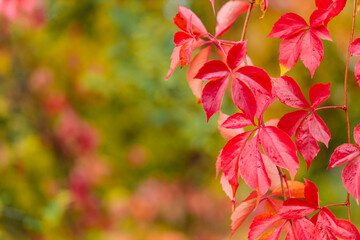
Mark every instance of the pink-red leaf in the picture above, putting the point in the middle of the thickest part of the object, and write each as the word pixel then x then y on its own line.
pixel 357 135
pixel 279 147
pixel 238 120
pixel 175 61
pixel 186 51
pixel 312 52
pixel 194 67
pixel 243 97
pixel 305 142
pixel 236 55
pixel 212 4
pixel 213 69
pixel 296 208
pixel 322 32
pixel 252 168
pixel 323 3
pixel 304 229
pixel 241 213
pixel 343 154
pixel 318 129
pixel 230 154
pixel 287 25
pixel 289 92
pixel 319 93
pixel 261 223
pixel 290 50
pixel 311 193
pixel 256 78
pixel 346 230
pixel 212 95
pixel 291 121
pixel 357 73
pixel 181 37
pixel 227 15
pixel 355 47
pixel 226 186
pixel 351 178
pixel 184 16
pixel 225 132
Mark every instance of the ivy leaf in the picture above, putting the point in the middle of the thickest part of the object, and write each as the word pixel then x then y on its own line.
pixel 343 154
pixel 227 15
pixel 289 92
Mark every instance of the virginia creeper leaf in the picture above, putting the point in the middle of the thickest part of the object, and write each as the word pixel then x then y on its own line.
pixel 318 129
pixel 227 15
pixel 181 37
pixel 212 70
pixel 296 190
pixel 312 52
pixel 355 47
pixel 357 135
pixel 319 93
pixel 304 229
pixel 346 230
pixel 227 187
pixel 321 32
pixel 212 95
pixel 184 16
pixel 230 154
pixel 198 61
pixel 294 208
pixel 238 120
pixel 226 132
pixel 256 78
pixel 242 211
pixel 287 25
pixel 305 142
pixel 311 193
pixel 291 121
pixel 343 154
pixel 351 178
pixel 357 73
pixel 175 61
pixel 279 147
pixel 261 223
pixel 236 55
pixel 243 97
pixel 252 168
pixel 289 92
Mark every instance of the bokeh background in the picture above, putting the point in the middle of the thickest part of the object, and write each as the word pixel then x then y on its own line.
pixel 95 144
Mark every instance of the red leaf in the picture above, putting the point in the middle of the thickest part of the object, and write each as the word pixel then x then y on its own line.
pixel 357 73
pixel 319 93
pixel 290 50
pixel 242 211
pixel 305 142
pixel 227 133
pixel 228 189
pixel 343 154
pixel 252 168
pixel 212 95
pixel 227 15
pixel 318 129
pixel 355 47
pixel 213 69
pixel 175 61
pixel 197 62
pixel 236 55
pixel 357 135
pixel 212 4
pixel 238 120
pixel 312 52
pixel 184 16
pixel 332 8
pixel 291 121
pixel 346 230
pixel 287 25
pixel 322 32
pixel 323 3
pixel 261 223
pixel 279 147
pixel 351 178
pixel 318 17
pixel 311 193
pixel 256 78
pixel 289 92
pixel 243 97
pixel 181 37
pixel 296 208
pixel 304 228
pixel 229 156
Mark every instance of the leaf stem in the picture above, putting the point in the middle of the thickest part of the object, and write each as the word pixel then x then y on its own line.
pixel 247 20
pixel 345 92
pixel 282 175
pixel 330 107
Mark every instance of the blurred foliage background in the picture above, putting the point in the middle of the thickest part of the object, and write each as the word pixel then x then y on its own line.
pixel 96 145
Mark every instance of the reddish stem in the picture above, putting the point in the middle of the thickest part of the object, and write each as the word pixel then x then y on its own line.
pixel 247 20
pixel 330 107
pixel 345 92
pixel 282 175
